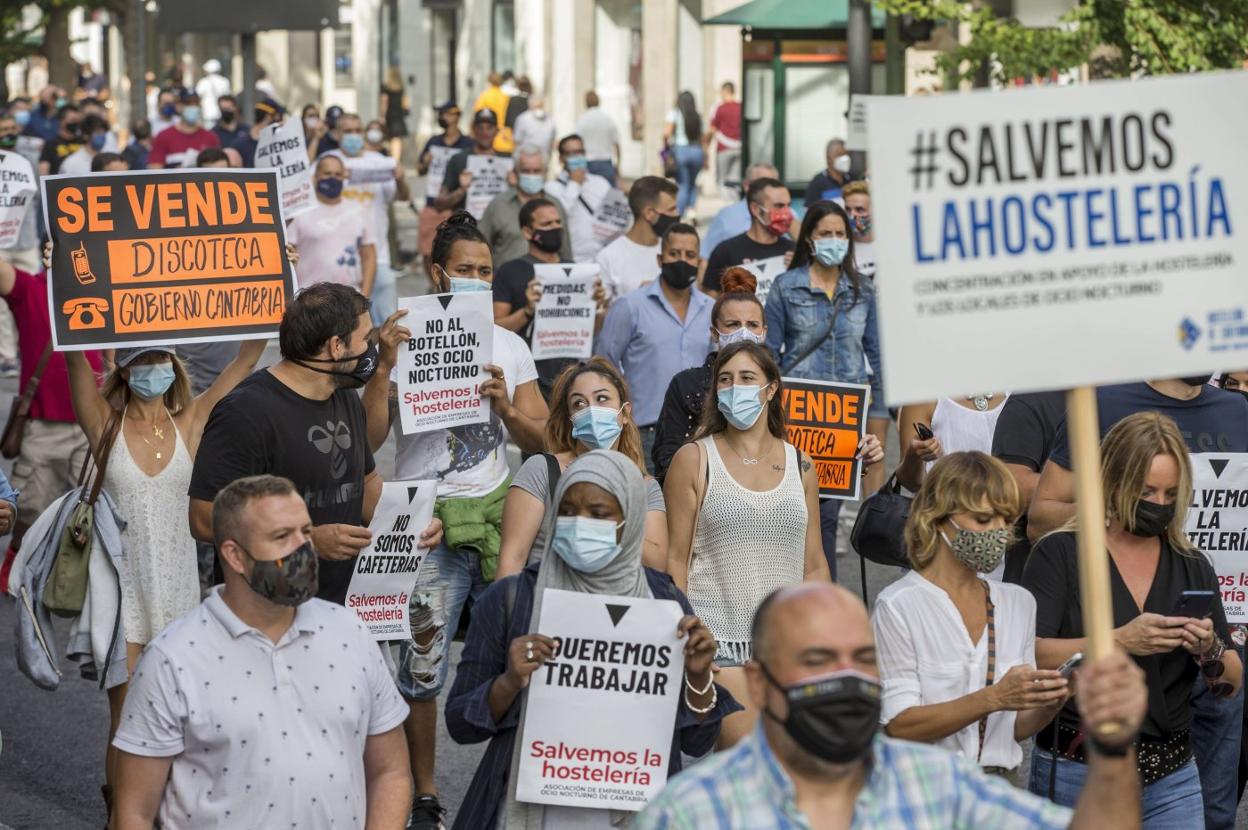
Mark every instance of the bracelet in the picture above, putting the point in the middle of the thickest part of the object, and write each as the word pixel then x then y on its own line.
pixel 709 706
pixel 710 681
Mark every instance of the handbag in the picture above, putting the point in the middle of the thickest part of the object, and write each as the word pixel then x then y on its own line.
pixel 19 412
pixel 668 157
pixel 66 589
pixel 879 530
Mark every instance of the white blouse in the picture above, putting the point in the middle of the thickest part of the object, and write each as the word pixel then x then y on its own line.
pixel 926 657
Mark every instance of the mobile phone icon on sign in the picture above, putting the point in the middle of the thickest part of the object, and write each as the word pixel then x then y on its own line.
pixel 82 265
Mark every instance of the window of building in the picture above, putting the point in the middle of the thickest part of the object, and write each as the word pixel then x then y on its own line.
pixel 344 63
pixel 504 35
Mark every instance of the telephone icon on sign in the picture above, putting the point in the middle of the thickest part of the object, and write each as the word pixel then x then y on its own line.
pixel 82 265
pixel 85 313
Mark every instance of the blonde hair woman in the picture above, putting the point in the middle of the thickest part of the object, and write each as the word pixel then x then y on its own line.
pixel 956 650
pixel 1147 479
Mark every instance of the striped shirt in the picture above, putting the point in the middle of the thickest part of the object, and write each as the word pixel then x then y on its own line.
pixel 910 787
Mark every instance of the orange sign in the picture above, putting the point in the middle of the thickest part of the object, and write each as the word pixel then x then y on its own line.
pixel 827 421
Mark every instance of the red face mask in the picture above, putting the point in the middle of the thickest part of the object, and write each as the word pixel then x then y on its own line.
pixel 779 219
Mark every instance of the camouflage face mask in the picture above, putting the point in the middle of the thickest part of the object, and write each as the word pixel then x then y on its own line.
pixel 979 550
pixel 291 580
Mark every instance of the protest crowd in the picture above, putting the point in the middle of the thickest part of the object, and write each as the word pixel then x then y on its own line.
pixel 597 404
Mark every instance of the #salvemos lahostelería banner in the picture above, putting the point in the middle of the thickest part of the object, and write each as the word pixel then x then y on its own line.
pixel 165 256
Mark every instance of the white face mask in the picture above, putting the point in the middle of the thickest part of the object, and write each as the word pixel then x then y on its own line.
pixel 842 163
pixel 375 136
pixel 738 336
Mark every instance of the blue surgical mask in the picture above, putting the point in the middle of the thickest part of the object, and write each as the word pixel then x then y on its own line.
pixel 530 183
pixel 741 405
pixel 586 545
pixel 741 335
pixel 151 380
pixel 329 187
pixel 597 427
pixel 574 163
pixel 98 141
pixel 190 115
pixel 168 111
pixel 352 144
pixel 831 251
pixel 22 117
pixel 463 285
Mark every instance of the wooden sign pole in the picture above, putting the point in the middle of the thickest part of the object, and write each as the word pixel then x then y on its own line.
pixel 1084 431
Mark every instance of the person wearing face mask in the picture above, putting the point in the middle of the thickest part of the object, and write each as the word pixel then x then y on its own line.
pixel 500 223
pixel 628 262
pixel 582 193
pixel 593 545
pixel 1234 382
pixel 66 141
pixel 140 146
pixel 266 113
pixel 180 145
pixel 1147 481
pixel 742 503
pixel 771 218
pixel 857 198
pixel 163 110
pixel 734 219
pixel 262 630
pixel 737 316
pixel 818 759
pixel 94 131
pixel 828 183
pixel 591 411
pixel 432 164
pixel 660 329
pixel 821 322
pixel 335 238
pixel 516 288
pixel 24 252
pixel 942 684
pixel 457 178
pixel 470 466
pixel 535 126
pixel 44 115
pixel 229 128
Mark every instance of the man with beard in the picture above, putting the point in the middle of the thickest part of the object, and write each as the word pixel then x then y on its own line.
pixel 302 419
pixel 817 758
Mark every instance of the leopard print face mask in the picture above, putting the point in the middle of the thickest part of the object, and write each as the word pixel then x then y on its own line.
pixel 979 550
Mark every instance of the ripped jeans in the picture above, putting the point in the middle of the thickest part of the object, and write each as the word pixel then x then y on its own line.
pixel 446 579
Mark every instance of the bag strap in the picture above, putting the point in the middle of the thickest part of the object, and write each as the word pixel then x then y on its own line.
pixel 553 472
pixel 818 341
pixel 32 384
pixel 992 662
pixel 107 438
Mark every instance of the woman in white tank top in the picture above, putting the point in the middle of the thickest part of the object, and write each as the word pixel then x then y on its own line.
pixel 743 509
pixel 962 424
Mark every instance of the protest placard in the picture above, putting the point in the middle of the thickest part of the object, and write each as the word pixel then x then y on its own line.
pixel 441 367
pixel 368 169
pixel 17 191
pixel 1217 523
pixel 827 421
pixel 1094 219
pixel 766 271
pixel 611 213
pixel 856 131
pixel 385 571
pixel 563 323
pixel 165 256
pixel 489 178
pixel 613 654
pixel 283 146
pixel 438 158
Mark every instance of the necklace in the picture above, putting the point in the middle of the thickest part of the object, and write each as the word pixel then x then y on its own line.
pixel 980 401
pixel 159 432
pixel 744 460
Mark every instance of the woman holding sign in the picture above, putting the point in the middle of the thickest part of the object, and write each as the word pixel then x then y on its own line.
pixel 594 547
pixel 1167 610
pixel 591 410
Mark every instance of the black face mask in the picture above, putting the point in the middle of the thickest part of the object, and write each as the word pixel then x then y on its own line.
pixel 834 717
pixel 365 367
pixel 660 225
pixel 678 274
pixel 1151 519
pixel 228 116
pixel 549 240
pixel 1196 380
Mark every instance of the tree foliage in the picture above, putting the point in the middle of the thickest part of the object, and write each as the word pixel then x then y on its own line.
pixel 1127 37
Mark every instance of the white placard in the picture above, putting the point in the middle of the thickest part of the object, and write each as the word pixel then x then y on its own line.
pixel 618 655
pixel 443 364
pixel 438 159
pixel 283 146
pixel 30 147
pixel 368 169
pixel 385 571
pixel 766 270
pixel 611 214
pixel 17 191
pixel 1054 237
pixel 1217 523
pixel 856 132
pixel 563 324
pixel 489 178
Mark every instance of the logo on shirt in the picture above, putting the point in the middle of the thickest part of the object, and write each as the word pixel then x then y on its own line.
pixel 333 440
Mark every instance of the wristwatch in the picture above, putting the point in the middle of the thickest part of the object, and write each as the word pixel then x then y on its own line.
pixel 1215 652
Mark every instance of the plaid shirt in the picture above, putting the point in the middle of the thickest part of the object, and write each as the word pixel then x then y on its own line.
pixel 910 787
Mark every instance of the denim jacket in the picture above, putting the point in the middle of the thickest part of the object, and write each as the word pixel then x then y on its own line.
pixel 797 315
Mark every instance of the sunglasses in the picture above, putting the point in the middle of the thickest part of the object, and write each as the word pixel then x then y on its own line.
pixel 1211 671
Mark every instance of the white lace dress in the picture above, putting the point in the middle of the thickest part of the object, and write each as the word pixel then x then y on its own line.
pixel 160 578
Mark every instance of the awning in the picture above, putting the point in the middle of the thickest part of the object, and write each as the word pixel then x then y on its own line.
pixel 792 15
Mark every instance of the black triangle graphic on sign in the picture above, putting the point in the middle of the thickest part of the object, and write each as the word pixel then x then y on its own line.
pixel 1218 465
pixel 567 270
pixel 617 613
pixel 445 300
pixel 411 494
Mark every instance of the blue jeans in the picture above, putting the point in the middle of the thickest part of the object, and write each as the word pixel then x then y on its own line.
pixel 689 160
pixel 1168 804
pixel 829 515
pixel 1217 729
pixel 604 168
pixel 647 447
pixel 446 579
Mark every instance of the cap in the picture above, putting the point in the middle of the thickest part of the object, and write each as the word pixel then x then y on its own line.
pixel 485 117
pixel 446 105
pixel 212 66
pixel 124 357
pixel 268 105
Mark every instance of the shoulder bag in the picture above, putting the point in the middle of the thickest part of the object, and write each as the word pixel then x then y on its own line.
pixel 879 530
pixel 19 413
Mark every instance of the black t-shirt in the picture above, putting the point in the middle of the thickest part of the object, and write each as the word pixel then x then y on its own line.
pixel 511 281
pixel 57 150
pixel 739 250
pixel 1024 436
pixel 1052 576
pixel 264 426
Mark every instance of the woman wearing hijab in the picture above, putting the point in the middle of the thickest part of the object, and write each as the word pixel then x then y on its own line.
pixel 601 490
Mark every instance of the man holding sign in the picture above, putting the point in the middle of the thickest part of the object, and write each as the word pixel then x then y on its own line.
pixel 438 152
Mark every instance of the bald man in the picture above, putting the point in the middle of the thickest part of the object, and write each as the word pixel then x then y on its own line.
pixel 817 758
